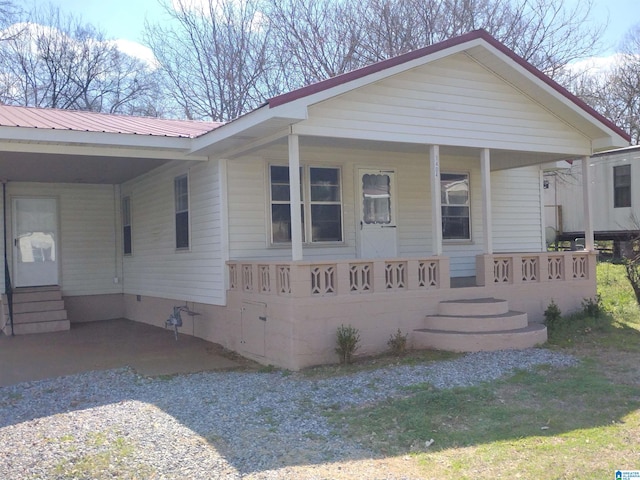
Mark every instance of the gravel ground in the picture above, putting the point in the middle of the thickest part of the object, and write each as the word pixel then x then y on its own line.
pixel 231 425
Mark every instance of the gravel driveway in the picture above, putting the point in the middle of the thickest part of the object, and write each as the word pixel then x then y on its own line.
pixel 230 425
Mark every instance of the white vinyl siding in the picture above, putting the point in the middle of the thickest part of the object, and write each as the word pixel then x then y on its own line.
pixel 452 101
pixel 516 205
pixel 157 268
pixel 90 235
pixel 606 218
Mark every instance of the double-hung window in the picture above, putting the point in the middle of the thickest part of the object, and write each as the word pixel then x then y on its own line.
pixel 321 204
pixel 454 192
pixel 622 186
pixel 181 196
pixel 126 226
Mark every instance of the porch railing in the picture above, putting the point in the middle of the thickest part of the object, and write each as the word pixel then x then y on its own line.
pixel 341 277
pixel 514 268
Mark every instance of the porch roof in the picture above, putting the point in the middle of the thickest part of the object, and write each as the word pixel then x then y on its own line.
pixel 279 115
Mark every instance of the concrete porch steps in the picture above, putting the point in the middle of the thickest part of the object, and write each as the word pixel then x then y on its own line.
pixel 36 310
pixel 473 325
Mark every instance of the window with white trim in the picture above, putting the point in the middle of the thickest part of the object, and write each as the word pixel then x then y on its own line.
pixel 622 186
pixel 454 193
pixel 127 245
pixel 321 203
pixel 181 195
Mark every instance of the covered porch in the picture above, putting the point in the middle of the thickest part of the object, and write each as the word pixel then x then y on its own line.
pixel 289 310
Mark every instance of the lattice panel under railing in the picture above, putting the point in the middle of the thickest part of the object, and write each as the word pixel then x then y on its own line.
pixel 530 270
pixel 580 269
pixel 360 277
pixel 556 268
pixel 284 279
pixel 233 277
pixel 323 279
pixel 427 274
pixel 264 279
pixel 395 275
pixel 502 270
pixel 247 278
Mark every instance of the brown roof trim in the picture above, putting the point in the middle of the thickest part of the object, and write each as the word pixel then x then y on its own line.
pixel 437 47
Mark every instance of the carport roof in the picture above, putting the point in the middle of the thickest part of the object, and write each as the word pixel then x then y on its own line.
pixel 85 121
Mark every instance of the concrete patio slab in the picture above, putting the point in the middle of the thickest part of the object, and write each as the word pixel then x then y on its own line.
pixel 149 350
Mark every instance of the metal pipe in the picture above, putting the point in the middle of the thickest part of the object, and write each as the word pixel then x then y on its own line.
pixel 7 275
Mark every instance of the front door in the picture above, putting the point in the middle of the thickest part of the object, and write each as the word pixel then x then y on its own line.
pixel 35 241
pixel 378 236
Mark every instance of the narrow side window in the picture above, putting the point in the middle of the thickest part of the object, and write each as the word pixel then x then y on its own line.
pixel 181 193
pixel 622 186
pixel 126 226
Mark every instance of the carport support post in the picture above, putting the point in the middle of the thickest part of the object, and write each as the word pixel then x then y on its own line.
pixel 589 243
pixel 294 197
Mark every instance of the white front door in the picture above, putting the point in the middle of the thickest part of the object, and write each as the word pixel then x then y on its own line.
pixel 35 241
pixel 378 236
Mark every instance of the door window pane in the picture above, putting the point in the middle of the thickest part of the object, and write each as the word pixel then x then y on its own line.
pixel 376 199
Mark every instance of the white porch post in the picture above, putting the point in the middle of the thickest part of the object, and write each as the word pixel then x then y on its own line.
pixel 436 201
pixel 485 173
pixel 294 197
pixel 589 243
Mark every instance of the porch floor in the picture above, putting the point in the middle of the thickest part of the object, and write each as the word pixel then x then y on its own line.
pixel 104 345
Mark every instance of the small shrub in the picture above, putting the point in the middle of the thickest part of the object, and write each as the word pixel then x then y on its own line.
pixel 552 316
pixel 347 338
pixel 592 307
pixel 398 343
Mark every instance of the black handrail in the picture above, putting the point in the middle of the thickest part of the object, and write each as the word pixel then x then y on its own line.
pixel 7 275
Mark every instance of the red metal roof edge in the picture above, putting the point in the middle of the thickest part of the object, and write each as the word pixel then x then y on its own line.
pixel 437 47
pixel 109 122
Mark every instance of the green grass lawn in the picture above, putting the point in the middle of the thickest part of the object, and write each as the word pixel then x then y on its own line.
pixel 581 422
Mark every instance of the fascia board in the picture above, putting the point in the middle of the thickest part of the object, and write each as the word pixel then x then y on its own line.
pixel 102 139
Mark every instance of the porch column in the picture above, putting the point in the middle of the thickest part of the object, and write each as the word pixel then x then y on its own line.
pixel 294 197
pixel 485 174
pixel 589 243
pixel 436 200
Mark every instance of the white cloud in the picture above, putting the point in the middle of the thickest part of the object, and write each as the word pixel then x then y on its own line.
pixel 137 50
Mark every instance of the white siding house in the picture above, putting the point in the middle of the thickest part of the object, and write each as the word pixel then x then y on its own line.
pixel 616 210
pixel 395 196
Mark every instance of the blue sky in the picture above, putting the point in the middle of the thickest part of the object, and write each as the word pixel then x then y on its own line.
pixel 124 19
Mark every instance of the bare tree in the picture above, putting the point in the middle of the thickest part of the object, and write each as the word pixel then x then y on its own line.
pixel 615 91
pixel 214 56
pixel 55 61
pixel 226 58
pixel 546 33
pixel 315 39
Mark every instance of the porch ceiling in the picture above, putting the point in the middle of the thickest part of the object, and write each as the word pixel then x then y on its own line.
pixel 59 168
